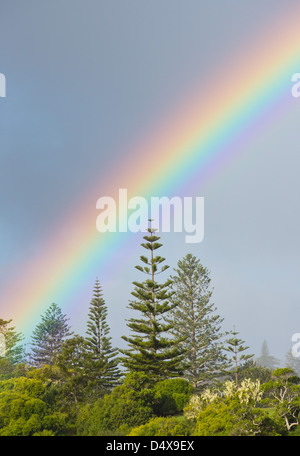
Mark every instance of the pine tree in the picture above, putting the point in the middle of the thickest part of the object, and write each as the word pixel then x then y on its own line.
pixel 10 343
pixel 265 359
pixel 152 349
pixel 194 319
pixel 103 366
pixel 48 336
pixel 235 347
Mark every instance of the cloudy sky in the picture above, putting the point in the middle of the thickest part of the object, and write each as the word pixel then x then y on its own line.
pixel 85 81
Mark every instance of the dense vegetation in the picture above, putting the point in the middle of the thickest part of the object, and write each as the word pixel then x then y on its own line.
pixel 180 375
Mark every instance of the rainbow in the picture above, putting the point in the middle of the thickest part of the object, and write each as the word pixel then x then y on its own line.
pixel 212 127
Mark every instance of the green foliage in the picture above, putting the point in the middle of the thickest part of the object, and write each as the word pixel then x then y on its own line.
pixel 151 350
pixel 69 375
pixel 74 385
pixel 231 418
pixel 194 321
pixel 11 348
pixel 233 410
pixel 71 380
pixel 23 412
pixel 295 432
pixel 170 426
pixel 284 394
pixel 48 336
pixel 254 372
pixel 235 347
pixel 133 403
pixel 9 370
pixel 63 391
pixel 23 385
pixel 193 408
pixel 101 356
pixel 127 406
pixel 171 396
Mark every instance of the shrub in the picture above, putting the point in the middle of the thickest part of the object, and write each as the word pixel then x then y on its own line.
pixel 22 414
pixel 160 426
pixel 171 396
pixel 128 405
pixel 230 417
pixel 193 408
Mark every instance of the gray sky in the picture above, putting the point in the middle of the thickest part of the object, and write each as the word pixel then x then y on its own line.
pixel 85 79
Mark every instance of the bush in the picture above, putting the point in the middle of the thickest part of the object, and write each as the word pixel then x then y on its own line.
pixel 128 405
pixel 9 370
pixel 23 412
pixel 159 426
pixel 228 417
pixel 171 396
pixel 193 408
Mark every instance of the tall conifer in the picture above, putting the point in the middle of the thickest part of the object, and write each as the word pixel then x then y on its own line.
pixel 265 359
pixel 48 336
pixel 194 318
pixel 235 347
pixel 103 365
pixel 152 349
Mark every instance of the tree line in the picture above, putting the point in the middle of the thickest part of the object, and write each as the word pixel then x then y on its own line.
pixel 176 352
